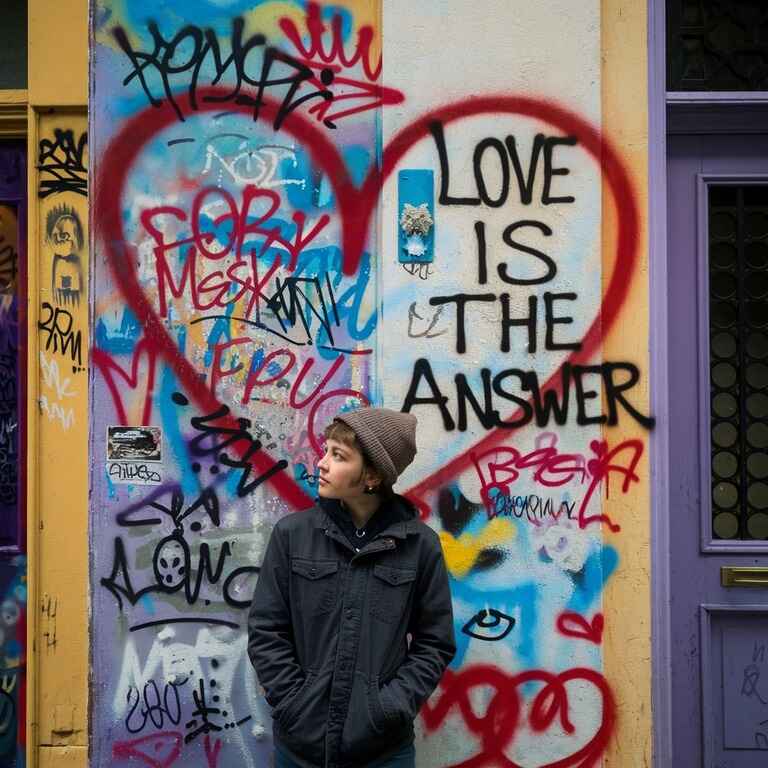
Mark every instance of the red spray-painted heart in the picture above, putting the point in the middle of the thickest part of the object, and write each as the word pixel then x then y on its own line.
pixel 549 707
pixel 356 206
pixel 573 624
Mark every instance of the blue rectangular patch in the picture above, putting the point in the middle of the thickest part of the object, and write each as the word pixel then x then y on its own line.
pixel 416 216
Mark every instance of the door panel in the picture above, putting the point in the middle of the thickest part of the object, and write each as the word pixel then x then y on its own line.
pixel 716 631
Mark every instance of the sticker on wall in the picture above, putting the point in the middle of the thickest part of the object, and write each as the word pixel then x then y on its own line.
pixel 140 444
pixel 416 220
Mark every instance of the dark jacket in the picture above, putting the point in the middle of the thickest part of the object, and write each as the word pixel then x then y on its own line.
pixel 328 635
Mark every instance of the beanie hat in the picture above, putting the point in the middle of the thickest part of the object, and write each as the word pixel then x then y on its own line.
pixel 388 438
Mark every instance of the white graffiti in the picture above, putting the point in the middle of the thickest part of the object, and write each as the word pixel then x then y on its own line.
pixel 54 412
pixel 53 380
pixel 250 166
pixel 218 653
pixel 8 427
pixel 61 388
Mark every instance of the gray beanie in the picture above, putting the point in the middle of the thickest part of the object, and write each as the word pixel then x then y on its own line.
pixel 388 438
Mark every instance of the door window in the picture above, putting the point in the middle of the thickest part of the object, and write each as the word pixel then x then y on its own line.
pixel 738 360
pixel 714 45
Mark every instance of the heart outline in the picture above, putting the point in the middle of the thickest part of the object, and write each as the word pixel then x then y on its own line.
pixel 355 206
pixel 572 624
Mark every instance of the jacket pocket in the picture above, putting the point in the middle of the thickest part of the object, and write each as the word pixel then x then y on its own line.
pixel 284 711
pixel 375 707
pixel 390 590
pixel 315 585
pixel 303 724
pixel 368 729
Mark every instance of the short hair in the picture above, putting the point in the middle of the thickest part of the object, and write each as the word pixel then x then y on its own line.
pixel 343 433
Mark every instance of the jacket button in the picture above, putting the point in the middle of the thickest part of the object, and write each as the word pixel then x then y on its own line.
pixel 313 571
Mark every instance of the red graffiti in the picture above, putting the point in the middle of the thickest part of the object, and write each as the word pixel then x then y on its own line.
pixel 315 52
pixel 243 222
pixel 306 385
pixel 160 750
pixel 600 469
pixel 499 468
pixel 212 752
pixel 363 94
pixel 146 350
pixel 356 206
pixel 575 625
pixel 498 726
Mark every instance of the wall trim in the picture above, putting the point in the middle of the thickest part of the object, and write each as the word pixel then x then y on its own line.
pixel 661 649
pixel 33 453
pixel 13 114
pixel 716 97
pixel 713 117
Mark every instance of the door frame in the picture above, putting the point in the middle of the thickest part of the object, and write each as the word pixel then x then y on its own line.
pixel 692 113
pixel 661 640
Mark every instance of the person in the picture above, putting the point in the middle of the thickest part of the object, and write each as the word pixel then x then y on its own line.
pixel 351 625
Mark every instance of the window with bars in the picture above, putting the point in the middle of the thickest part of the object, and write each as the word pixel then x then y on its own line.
pixel 717 45
pixel 738 335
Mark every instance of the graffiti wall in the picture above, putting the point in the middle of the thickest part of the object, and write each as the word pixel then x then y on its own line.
pixel 13 560
pixel 302 207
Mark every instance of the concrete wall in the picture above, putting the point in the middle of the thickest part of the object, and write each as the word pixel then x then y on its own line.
pixel 544 526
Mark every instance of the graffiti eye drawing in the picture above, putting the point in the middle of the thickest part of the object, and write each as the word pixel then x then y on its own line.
pixel 489 624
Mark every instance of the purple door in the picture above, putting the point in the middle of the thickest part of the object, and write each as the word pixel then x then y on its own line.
pixel 718 367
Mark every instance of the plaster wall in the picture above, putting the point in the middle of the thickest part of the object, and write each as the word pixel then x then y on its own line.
pixel 57 402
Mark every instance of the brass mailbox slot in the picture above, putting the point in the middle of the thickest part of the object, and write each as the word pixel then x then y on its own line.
pixel 734 576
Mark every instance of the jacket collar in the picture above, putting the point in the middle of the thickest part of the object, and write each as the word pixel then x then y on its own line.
pixel 406 526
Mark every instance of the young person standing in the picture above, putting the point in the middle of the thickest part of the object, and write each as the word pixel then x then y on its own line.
pixel 351 627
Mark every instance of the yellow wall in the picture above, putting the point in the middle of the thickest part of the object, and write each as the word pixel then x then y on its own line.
pixel 58 425
pixel 58 455
pixel 627 595
pixel 58 53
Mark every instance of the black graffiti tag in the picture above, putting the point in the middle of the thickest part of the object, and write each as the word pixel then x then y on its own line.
pixel 148 705
pixel 186 53
pixel 61 163
pixel 62 338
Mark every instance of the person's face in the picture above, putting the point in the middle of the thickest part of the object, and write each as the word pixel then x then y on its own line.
pixel 342 473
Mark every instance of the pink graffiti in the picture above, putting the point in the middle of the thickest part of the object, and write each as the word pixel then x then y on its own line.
pixel 499 468
pixel 160 750
pixel 135 379
pixel 243 220
pixel 212 753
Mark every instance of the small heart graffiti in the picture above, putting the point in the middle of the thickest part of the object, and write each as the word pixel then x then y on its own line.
pixel 575 625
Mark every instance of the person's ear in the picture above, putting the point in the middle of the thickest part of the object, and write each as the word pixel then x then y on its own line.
pixel 372 480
